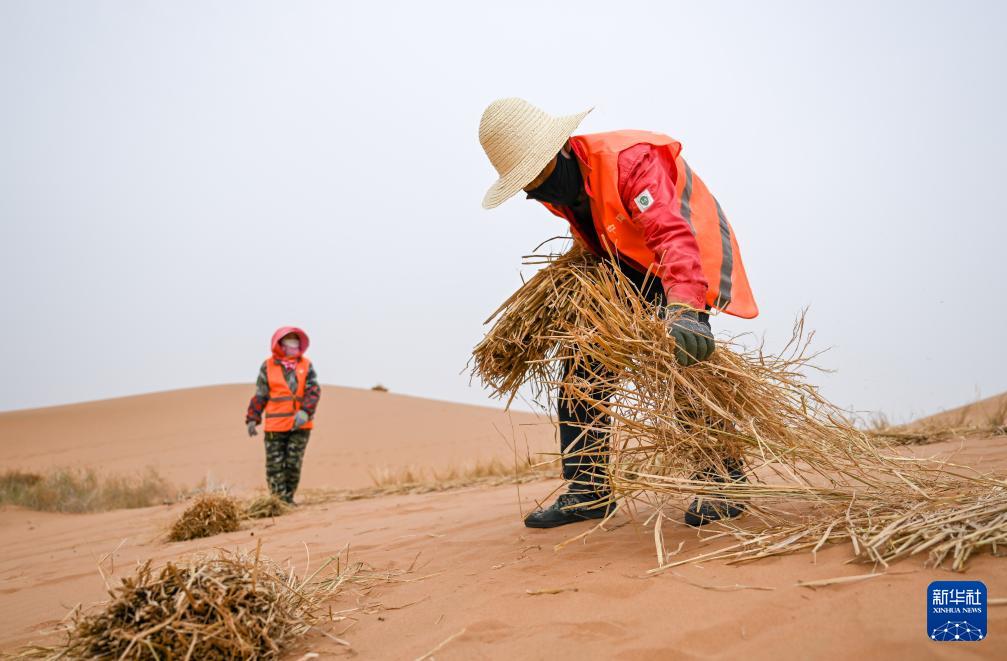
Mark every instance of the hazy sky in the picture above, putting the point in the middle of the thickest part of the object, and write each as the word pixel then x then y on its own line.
pixel 178 179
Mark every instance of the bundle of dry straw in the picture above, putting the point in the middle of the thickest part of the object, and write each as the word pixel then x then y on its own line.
pixel 224 606
pixel 265 507
pixel 520 347
pixel 210 514
pixel 812 476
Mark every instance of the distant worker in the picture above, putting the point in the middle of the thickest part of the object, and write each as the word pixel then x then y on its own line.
pixel 629 197
pixel 287 392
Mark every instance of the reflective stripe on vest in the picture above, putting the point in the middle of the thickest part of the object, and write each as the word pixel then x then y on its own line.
pixel 686 195
pixel 283 404
pixel 727 252
pixel 598 154
pixel 727 260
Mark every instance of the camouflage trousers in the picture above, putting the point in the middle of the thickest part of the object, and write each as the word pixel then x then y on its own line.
pixel 284 455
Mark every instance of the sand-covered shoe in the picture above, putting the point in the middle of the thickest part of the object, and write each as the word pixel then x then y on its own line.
pixel 707 509
pixel 571 507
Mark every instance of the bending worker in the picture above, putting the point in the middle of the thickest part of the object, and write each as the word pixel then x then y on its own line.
pixel 631 198
pixel 287 392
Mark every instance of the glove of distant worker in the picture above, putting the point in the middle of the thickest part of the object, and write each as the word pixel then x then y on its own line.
pixel 300 419
pixel 252 431
pixel 693 337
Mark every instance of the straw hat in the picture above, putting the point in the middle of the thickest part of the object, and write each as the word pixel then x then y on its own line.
pixel 520 140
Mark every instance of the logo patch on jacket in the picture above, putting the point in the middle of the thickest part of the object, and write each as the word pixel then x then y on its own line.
pixel 644 201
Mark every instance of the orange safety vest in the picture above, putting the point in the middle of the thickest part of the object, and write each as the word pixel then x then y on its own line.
pixel 598 156
pixel 283 404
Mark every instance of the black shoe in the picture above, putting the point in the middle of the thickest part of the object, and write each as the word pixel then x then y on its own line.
pixel 571 507
pixel 708 509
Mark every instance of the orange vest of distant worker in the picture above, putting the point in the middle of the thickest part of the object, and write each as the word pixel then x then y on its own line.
pixel 283 404
pixel 598 155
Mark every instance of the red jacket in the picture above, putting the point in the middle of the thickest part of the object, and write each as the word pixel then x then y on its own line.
pixel 665 230
pixel 648 206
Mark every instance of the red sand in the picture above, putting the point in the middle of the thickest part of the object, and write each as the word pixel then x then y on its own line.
pixel 476 562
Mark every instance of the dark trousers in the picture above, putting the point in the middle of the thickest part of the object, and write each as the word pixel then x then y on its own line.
pixel 585 451
pixel 284 456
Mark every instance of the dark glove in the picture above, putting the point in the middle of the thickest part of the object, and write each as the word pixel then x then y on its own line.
pixel 300 419
pixel 252 431
pixel 693 337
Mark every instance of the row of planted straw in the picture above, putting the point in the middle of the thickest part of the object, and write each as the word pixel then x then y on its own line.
pixel 813 477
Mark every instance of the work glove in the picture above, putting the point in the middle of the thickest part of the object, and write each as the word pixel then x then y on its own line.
pixel 300 419
pixel 693 337
pixel 252 431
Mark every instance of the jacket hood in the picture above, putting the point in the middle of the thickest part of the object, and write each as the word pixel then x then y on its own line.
pixel 281 333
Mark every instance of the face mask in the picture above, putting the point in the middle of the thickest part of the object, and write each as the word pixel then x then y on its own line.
pixel 563 187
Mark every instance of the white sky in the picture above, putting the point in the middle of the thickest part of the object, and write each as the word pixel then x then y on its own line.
pixel 177 179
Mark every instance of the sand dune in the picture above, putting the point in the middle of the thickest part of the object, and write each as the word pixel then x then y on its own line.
pixel 199 433
pixel 983 413
pixel 476 563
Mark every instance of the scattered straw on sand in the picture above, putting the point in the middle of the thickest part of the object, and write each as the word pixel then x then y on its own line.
pixel 265 507
pixel 210 514
pixel 813 477
pixel 416 478
pixel 220 606
pixel 412 481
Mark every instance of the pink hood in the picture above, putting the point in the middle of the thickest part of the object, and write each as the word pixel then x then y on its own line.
pixel 286 330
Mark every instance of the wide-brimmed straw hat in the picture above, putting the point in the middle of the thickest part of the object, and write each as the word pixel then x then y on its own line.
pixel 520 140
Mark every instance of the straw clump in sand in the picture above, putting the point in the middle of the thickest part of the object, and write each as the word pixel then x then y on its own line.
pixel 210 514
pixel 265 507
pixel 220 606
pixel 813 477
